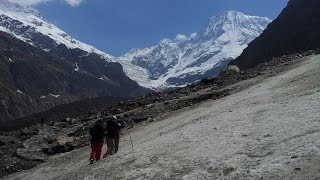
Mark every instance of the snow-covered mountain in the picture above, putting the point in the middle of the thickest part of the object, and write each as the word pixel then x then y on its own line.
pixel 171 63
pixel 25 23
pixel 48 67
pixel 186 59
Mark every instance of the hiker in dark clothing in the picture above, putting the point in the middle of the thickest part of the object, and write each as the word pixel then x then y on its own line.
pixel 113 136
pixel 97 133
pixel 42 121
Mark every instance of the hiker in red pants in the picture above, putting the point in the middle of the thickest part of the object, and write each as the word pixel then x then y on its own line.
pixel 97 133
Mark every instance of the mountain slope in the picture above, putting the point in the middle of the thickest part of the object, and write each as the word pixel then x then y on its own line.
pixel 41 66
pixel 187 59
pixel 295 30
pixel 26 24
pixel 267 131
pixel 33 80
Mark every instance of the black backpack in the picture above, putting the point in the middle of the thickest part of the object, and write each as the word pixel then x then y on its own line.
pixel 97 132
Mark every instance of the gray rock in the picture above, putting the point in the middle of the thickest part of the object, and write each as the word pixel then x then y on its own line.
pixel 60 124
pixel 67 120
pixel 64 144
pixel 32 155
pixel 29 131
pixel 232 69
pixel 5 140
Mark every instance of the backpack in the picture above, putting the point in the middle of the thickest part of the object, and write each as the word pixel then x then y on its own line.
pixel 113 127
pixel 115 124
pixel 97 132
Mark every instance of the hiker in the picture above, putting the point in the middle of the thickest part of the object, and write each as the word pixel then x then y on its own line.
pixel 42 121
pixel 113 136
pixel 97 133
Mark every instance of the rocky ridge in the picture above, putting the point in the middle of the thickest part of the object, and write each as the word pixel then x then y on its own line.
pixel 33 80
pixel 294 30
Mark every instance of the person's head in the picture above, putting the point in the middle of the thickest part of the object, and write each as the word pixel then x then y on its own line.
pixel 99 121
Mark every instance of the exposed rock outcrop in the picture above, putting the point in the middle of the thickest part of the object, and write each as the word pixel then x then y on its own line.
pixel 295 30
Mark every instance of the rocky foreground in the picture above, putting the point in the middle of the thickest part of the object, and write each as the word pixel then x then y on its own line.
pixel 240 119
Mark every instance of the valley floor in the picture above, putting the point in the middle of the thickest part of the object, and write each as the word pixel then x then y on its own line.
pixel 268 131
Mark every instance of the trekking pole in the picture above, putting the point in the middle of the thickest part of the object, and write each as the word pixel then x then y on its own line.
pixel 130 139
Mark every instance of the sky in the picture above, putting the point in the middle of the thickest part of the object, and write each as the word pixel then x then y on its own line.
pixel 117 26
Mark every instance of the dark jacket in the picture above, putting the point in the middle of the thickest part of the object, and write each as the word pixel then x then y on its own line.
pixel 97 132
pixel 113 128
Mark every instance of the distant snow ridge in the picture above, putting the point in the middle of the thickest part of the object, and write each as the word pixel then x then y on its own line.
pixel 171 63
pixel 185 59
pixel 26 24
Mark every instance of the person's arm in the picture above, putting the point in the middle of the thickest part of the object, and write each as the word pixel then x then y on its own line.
pixel 120 124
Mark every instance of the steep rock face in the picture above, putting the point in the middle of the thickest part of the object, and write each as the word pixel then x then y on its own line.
pixel 295 30
pixel 187 59
pixel 33 80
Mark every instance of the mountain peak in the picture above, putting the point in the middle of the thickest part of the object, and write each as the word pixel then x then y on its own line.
pixel 8 6
pixel 233 20
pixel 185 59
pixel 29 26
pixel 232 14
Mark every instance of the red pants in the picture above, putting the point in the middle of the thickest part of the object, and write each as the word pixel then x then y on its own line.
pixel 96 148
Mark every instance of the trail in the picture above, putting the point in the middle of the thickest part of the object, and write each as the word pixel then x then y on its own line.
pixel 268 131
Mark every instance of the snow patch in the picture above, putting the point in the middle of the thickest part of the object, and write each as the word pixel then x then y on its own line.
pixel 86 55
pixel 181 37
pixel 165 40
pixel 193 35
pixel 104 78
pixel 77 67
pixel 42 97
pixel 20 92
pixel 11 60
pixel 53 95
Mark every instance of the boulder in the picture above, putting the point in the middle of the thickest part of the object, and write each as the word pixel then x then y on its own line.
pixel 60 124
pixel 64 144
pixel 28 132
pixel 5 140
pixel 35 142
pixel 140 119
pixel 232 69
pixel 207 80
pixel 51 139
pixel 62 140
pixel 32 155
pixel 70 121
pixel 67 120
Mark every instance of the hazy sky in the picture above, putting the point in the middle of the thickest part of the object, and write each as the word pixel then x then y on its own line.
pixel 117 26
